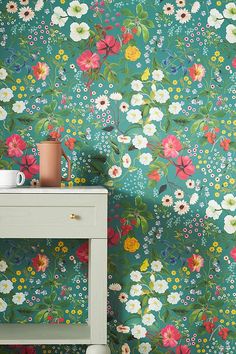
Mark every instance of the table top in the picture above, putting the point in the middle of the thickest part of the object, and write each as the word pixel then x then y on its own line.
pixel 55 190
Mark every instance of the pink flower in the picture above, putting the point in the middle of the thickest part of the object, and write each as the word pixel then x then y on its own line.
pixel 195 263
pixel 108 46
pixel 234 63
pixel 233 254
pixel 88 60
pixel 170 336
pixel 16 145
pixel 184 167
pixel 197 72
pixel 29 166
pixel 172 146
pixel 40 262
pixel 82 252
pixel 183 349
pixel 40 71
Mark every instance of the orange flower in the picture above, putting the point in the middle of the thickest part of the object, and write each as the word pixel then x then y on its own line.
pixel 195 263
pixel 154 175
pixel 41 71
pixel 40 262
pixel 197 72
pixel 131 244
pixel 225 144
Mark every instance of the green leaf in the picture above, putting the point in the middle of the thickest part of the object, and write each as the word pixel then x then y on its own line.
pixel 127 12
pixel 194 315
pixel 196 125
pixel 115 147
pixel 145 33
pixel 162 188
pixel 39 125
pixel 231 335
pixel 38 317
pixel 139 9
pixel 144 224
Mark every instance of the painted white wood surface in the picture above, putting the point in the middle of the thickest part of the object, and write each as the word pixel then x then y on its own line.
pixel 55 190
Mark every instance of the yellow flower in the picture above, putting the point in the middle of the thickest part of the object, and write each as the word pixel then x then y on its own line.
pixel 217 186
pixel 18 272
pixel 65 57
pixel 67 321
pixel 177 280
pixel 212 249
pixel 73 312
pixel 231 180
pixel 57 57
pixel 213 58
pixel 13 88
pixel 22 280
pixel 170 89
pixel 174 287
pixel 132 53
pixel 184 269
pixel 77 180
pixel 178 89
pixel 29 269
pixel 80 121
pixel 145 75
pixel 67 311
pixel 30 77
pixel 64 249
pixel 173 272
pixel 79 312
pixel 221 59
pixel 144 265
pixel 175 82
pixel 217 53
pixel 83 180
pixel 33 81
pixel 20 95
pixel 22 88
pixel 18 81
pixel 61 51
pixel 33 273
pixel 60 243
pixel 19 287
pixel 168 280
pixel 70 184
pixel 57 249
pixel 68 131
pixel 13 280
pixel 131 244
pixel 215 244
pixel 186 78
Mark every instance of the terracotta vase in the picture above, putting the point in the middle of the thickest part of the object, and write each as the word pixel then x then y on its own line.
pixel 50 153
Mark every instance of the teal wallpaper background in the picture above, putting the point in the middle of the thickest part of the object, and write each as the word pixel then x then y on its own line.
pixel 141 94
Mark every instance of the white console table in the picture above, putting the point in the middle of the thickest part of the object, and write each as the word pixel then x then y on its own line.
pixel 78 213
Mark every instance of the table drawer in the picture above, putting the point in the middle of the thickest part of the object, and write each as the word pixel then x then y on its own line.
pixel 49 222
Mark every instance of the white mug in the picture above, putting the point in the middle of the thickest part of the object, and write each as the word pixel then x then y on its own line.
pixel 11 178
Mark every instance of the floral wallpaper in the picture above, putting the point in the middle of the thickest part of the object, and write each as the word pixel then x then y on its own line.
pixel 140 94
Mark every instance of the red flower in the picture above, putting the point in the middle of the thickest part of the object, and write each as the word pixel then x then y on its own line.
pixel 113 237
pixel 82 252
pixel 40 71
pixel 126 229
pixel 108 46
pixel 185 167
pixel 233 254
pixel 88 60
pixel 204 317
pixel 210 137
pixel 195 263
pixel 23 349
pixel 70 143
pixel 16 145
pixel 170 336
pixel 40 262
pixel 223 333
pixel 183 349
pixel 123 220
pixel 197 72
pixel 225 144
pixel 55 135
pixel 50 126
pixel 234 63
pixel 126 37
pixel 29 166
pixel 209 326
pixel 172 146
pixel 154 175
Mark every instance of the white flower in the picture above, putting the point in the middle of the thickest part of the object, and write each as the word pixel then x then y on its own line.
pixel 155 114
pixel 231 33
pixel 18 298
pixel 168 9
pixel 145 158
pixel 154 304
pixel 26 14
pixel 123 297
pixel 181 207
pixel 3 113
pixel 59 17
pixel 193 199
pixel 167 200
pixel 79 31
pixel 196 7
pixel 3 74
pixel 175 108
pixel 139 332
pixel 3 305
pixel 135 275
pixel 102 102
pixel 157 75
pixel 11 7
pixel 162 96
pixel 124 107
pixel 179 194
pixel 148 319
pixel 136 85
pixel 116 96
pixel 126 159
pixel 6 286
pixel 230 11
pixel 173 298
pixel 124 139
pixel 183 15
pixel 6 94
pixel 76 9
pixel 115 171
pixel 123 329
pixel 125 349
pixel 136 290
pixel 160 286
pixel 230 224
pixel 133 306
pixel 156 266
pixel 18 106
pixel 134 116
pixel 137 100
pixel 3 266
pixel 229 202
pixel 180 3
pixel 190 183
pixel 39 5
pixel 140 142
pixel 115 287
pixel 213 210
pixel 215 19
pixel 149 129
pixel 144 348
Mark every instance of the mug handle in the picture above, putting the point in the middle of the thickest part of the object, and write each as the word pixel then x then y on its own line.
pixel 20 175
pixel 68 178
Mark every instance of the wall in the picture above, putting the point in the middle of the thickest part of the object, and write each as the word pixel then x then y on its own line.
pixel 141 95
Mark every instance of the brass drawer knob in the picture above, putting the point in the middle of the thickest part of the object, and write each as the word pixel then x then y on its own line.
pixel 72 216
